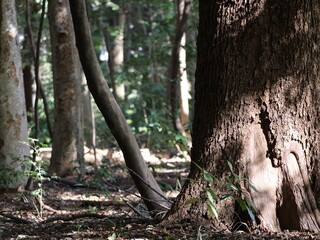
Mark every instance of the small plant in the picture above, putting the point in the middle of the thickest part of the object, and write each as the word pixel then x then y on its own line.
pixel 33 167
pixel 201 236
pixel 234 185
pixel 78 226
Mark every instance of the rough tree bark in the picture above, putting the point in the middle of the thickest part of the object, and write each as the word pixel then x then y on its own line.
pixel 139 171
pixel 13 117
pixel 257 106
pixel 67 143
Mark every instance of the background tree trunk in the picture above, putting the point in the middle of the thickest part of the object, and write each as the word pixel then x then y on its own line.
pixel 118 52
pixel 88 115
pixel 13 117
pixel 257 106
pixel 29 91
pixel 184 89
pixel 174 73
pixel 67 143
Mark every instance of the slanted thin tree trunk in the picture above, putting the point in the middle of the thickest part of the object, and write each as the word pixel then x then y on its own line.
pixel 174 74
pixel 138 169
pixel 257 106
pixel 67 143
pixel 13 116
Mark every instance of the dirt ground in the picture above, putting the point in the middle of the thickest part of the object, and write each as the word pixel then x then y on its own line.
pixel 109 207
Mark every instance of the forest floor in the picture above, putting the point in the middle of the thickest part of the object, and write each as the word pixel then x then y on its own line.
pixel 106 208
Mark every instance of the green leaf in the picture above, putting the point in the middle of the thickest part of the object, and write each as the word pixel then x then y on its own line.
pixel 252 187
pixel 208 176
pixel 191 179
pixel 212 210
pixel 230 166
pixel 232 187
pixel 200 168
pixel 192 200
pixel 242 204
pixel 212 196
pixel 250 204
pixel 224 197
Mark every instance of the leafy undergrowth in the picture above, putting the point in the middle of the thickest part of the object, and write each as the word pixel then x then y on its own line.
pixel 107 208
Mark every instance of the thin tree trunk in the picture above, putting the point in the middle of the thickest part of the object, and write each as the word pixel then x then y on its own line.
pixel 138 169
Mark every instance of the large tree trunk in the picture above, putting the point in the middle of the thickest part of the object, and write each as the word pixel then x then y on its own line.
pixel 138 169
pixel 13 117
pixel 67 143
pixel 257 106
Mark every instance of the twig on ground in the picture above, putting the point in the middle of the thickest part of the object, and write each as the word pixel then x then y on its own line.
pixel 44 206
pixel 135 210
pixel 73 217
pixel 74 184
pixel 160 194
pixel 17 219
pixel 134 194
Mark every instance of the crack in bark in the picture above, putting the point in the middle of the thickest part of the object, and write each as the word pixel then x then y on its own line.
pixel 272 152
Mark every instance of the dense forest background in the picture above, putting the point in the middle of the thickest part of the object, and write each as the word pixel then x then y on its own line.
pixel 96 104
pixel 148 32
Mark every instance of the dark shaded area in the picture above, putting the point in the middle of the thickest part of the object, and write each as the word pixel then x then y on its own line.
pixel 287 212
pixel 28 81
